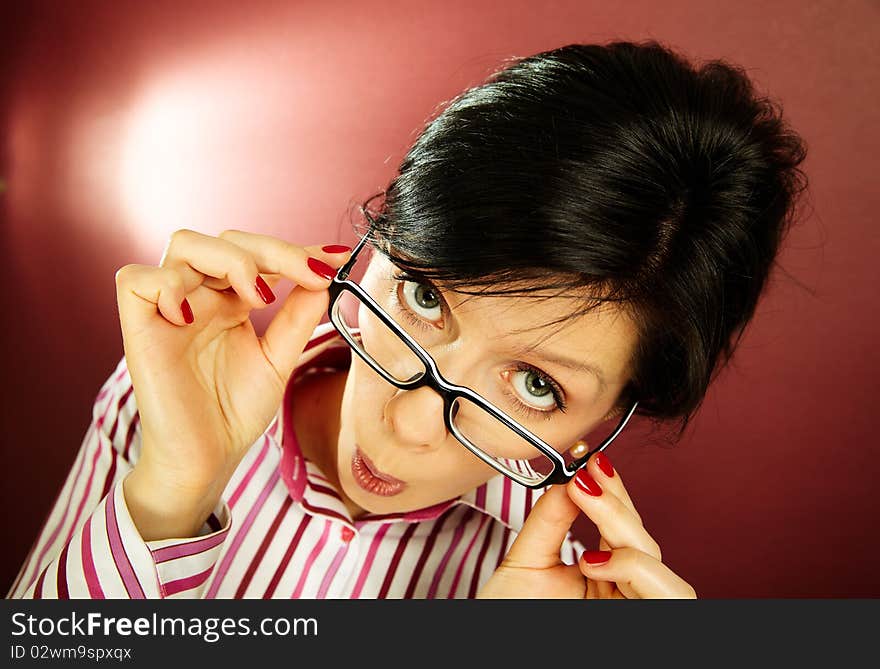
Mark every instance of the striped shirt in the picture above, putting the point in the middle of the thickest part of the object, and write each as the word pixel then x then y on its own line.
pixel 280 530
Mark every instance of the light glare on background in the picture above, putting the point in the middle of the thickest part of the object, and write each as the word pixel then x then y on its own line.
pixel 162 171
pixel 205 148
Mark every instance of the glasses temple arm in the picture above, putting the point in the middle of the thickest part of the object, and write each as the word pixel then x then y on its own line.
pixel 344 271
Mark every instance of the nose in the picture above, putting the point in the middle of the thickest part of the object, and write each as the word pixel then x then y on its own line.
pixel 416 416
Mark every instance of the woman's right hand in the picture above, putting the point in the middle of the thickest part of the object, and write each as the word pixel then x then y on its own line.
pixel 207 390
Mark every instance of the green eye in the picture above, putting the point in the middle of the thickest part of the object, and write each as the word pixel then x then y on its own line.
pixel 536 390
pixel 425 297
pixel 535 385
pixel 423 300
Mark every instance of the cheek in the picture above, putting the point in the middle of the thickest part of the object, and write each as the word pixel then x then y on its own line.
pixel 473 471
pixel 455 469
pixel 364 399
pixel 468 473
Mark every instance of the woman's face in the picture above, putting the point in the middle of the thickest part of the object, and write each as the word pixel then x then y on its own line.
pixel 482 343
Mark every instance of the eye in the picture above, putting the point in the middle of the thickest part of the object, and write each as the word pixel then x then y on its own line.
pixel 423 300
pixel 534 389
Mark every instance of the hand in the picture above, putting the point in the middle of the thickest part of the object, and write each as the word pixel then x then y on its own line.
pixel 207 390
pixel 633 569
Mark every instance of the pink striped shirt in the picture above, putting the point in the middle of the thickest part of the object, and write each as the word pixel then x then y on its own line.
pixel 281 529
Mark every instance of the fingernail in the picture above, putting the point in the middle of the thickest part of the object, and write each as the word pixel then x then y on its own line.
pixel 604 464
pixel 336 248
pixel 187 311
pixel 596 557
pixel 585 482
pixel 321 268
pixel 265 292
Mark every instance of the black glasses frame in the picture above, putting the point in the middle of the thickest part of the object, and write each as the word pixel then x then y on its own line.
pixel 450 392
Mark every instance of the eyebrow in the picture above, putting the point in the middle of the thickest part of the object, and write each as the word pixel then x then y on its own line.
pixel 562 361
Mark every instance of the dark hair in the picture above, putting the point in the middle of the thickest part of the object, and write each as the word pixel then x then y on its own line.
pixel 619 169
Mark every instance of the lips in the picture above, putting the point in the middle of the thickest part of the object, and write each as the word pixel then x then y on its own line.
pixel 371 479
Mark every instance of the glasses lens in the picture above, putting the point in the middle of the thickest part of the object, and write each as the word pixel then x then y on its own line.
pixel 507 448
pixel 375 339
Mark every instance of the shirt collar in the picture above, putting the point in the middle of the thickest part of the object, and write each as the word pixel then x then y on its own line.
pixel 502 499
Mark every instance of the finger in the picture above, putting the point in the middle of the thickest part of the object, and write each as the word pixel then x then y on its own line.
pixel 292 327
pixel 616 522
pixel 592 592
pixel 308 266
pixel 601 469
pixel 331 253
pixel 540 539
pixel 604 589
pixel 141 289
pixel 215 262
pixel 639 575
pixel 238 257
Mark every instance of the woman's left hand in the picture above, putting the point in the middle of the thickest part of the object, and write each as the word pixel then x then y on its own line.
pixel 632 567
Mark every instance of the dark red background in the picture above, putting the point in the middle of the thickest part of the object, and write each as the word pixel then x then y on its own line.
pixel 124 121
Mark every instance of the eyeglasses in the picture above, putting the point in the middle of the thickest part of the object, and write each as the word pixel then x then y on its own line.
pixel 482 427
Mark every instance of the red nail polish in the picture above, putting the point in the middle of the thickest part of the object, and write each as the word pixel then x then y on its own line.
pixel 596 557
pixel 321 268
pixel 265 292
pixel 187 311
pixel 604 464
pixel 585 482
pixel 336 248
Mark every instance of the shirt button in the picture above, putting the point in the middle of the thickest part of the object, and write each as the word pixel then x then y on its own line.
pixel 347 533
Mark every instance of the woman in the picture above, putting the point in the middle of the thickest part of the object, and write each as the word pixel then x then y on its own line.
pixel 585 234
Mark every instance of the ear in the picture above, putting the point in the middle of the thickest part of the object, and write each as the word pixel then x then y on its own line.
pixel 614 411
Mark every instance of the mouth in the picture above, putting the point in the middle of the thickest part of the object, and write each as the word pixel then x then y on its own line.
pixel 371 479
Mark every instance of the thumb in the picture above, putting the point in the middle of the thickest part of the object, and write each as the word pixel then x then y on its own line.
pixel 292 327
pixel 538 543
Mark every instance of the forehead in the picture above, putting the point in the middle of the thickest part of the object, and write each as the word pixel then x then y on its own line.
pixel 604 336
